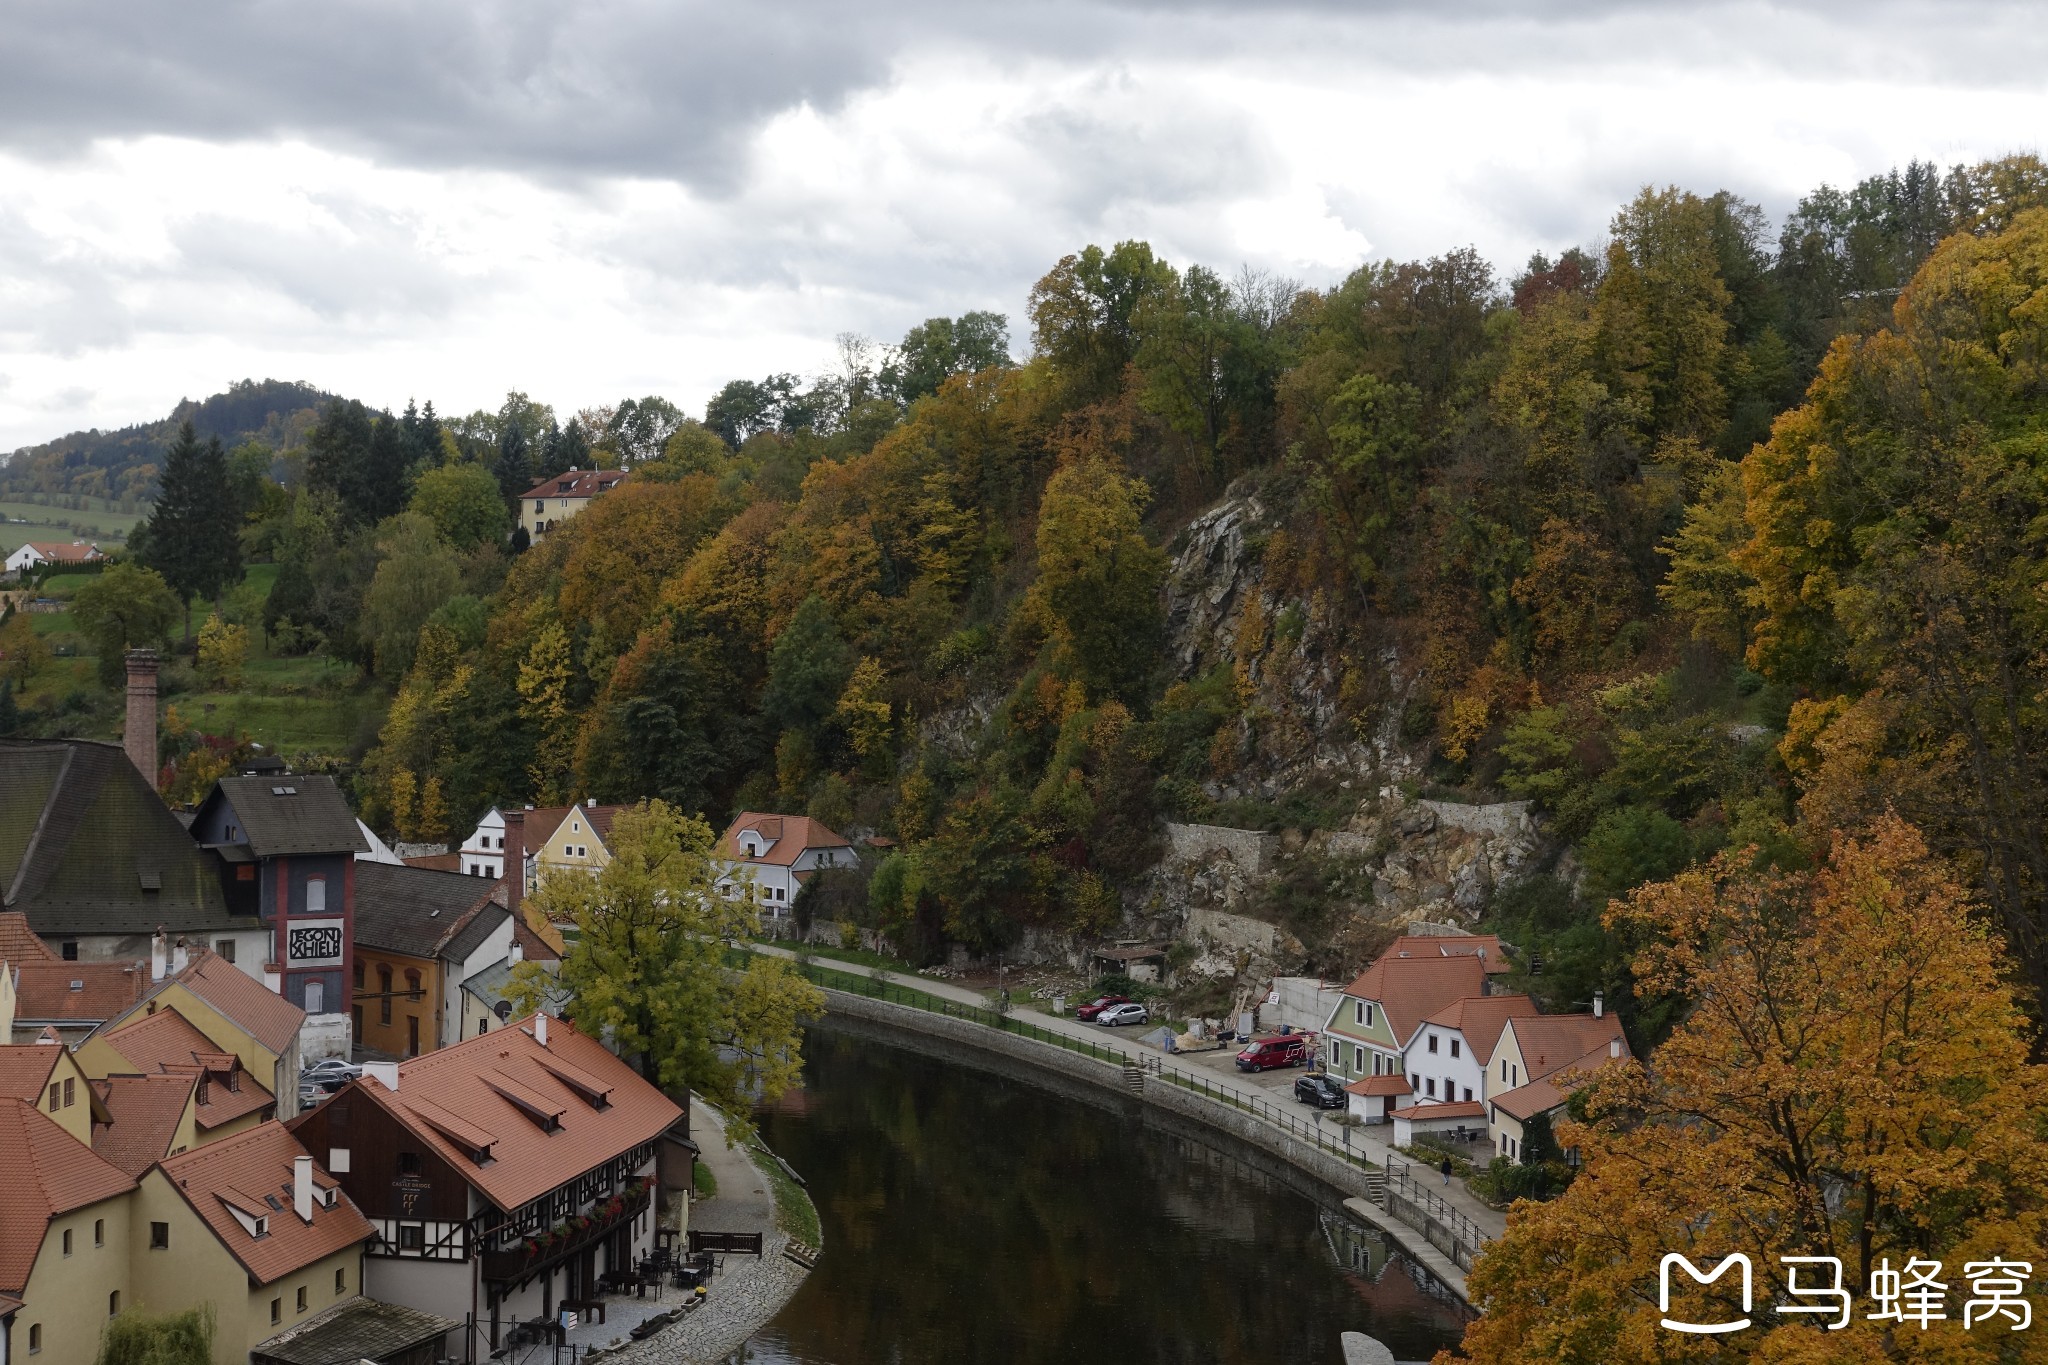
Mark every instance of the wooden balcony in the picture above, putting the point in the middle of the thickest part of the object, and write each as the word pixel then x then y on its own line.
pixel 529 1256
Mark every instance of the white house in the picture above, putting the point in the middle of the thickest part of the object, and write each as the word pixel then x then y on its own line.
pixel 777 854
pixel 1446 1061
pixel 483 852
pixel 35 554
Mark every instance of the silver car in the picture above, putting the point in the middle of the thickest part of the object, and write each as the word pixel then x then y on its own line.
pixel 1122 1014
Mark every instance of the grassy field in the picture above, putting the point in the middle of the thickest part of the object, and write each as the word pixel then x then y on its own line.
pixel 94 522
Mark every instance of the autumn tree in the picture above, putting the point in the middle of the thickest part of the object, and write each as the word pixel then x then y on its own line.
pixel 647 968
pixel 124 607
pixel 464 503
pixel 223 650
pixel 1083 311
pixel 1097 574
pixel 1852 1082
pixel 1893 560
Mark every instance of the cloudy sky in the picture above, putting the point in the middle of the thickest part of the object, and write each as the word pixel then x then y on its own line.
pixel 587 201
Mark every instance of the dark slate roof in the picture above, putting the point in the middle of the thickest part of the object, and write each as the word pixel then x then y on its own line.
pixel 360 1329
pixel 82 834
pixel 419 912
pixel 284 814
pixel 485 921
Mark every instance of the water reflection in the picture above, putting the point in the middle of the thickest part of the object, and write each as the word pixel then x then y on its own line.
pixel 969 1216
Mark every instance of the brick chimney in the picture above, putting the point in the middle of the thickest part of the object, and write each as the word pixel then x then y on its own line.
pixel 139 737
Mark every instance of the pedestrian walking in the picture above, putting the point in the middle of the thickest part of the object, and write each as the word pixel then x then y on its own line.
pixel 1446 1169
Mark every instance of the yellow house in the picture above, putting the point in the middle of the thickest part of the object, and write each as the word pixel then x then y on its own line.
pixel 1526 1074
pixel 554 839
pixel 553 501
pixel 46 1077
pixel 225 1098
pixel 64 1239
pixel 236 1012
pixel 252 1223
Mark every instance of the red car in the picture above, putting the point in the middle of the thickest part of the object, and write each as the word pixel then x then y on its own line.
pixel 1267 1053
pixel 1089 1011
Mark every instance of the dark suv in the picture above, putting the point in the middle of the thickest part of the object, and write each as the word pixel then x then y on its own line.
pixel 1321 1089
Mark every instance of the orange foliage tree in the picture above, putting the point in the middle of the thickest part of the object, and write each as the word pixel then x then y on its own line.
pixel 1852 1082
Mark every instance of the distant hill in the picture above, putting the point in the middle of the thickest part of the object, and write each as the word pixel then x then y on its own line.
pixel 122 465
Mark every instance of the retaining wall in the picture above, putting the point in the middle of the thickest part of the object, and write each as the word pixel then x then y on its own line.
pixel 1252 850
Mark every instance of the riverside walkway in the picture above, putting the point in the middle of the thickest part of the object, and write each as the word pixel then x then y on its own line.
pixel 1455 1210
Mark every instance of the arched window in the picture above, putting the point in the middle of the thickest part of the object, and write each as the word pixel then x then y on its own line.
pixel 383 993
pixel 412 983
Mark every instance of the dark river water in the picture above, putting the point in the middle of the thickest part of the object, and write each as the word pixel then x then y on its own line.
pixel 976 1217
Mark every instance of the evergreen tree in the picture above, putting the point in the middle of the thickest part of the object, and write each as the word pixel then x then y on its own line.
pixel 10 714
pixel 515 463
pixel 337 454
pixel 565 448
pixel 193 536
pixel 387 470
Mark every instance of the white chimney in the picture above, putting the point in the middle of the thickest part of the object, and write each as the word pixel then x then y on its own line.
pixel 590 804
pixel 159 956
pixel 540 1028
pixel 1614 1048
pixel 302 1188
pixel 1599 1005
pixel 517 953
pixel 179 957
pixel 273 981
pixel 385 1073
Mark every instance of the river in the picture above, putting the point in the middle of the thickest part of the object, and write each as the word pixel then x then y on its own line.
pixel 971 1216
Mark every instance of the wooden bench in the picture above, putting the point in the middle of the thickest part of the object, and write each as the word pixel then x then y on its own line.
pixel 745 1243
pixel 588 1309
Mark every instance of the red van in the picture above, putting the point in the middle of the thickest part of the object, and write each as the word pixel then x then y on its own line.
pixel 1264 1054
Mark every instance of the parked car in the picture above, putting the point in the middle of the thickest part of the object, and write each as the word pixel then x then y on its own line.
pixel 1320 1089
pixel 1265 1054
pixel 1095 1007
pixel 1126 1013
pixel 335 1069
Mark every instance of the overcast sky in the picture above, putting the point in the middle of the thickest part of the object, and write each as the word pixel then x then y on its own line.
pixel 590 201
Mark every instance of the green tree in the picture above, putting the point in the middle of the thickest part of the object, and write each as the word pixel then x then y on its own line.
pixel 10 712
pixel 514 464
pixel 135 1337
pixel 938 348
pixel 416 573
pixel 124 607
pixel 1082 314
pixel 647 968
pixel 1368 482
pixel 808 669
pixel 1661 311
pixel 1098 576
pixel 338 458
pixel 464 503
pixel 192 533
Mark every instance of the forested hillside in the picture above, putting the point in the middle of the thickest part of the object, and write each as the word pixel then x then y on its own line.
pixel 1715 534
pixel 124 465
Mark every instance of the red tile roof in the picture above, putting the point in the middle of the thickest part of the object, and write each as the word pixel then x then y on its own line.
pixel 1464 1109
pixel 1484 946
pixel 436 862
pixel 260 1012
pixel 18 942
pixel 44 1171
pixel 501 1086
pixel 540 826
pixel 46 990
pixel 577 483
pixel 146 1111
pixel 1410 989
pixel 532 946
pixel 65 552
pixel 25 1070
pixel 1481 1018
pixel 790 835
pixel 1552 1042
pixel 253 1171
pixel 165 1042
pixel 1379 1085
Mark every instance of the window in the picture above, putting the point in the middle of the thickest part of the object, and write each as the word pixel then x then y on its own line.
pixel 35 1338
pixel 412 1035
pixel 316 997
pixel 302 1298
pixel 340 1281
pixel 582 851
pixel 412 984
pixel 159 1236
pixel 1432 1042
pixel 1454 1047
pixel 67 1241
pixel 1358 1011
pixel 568 850
pixel 1370 1012
pixel 224 949
pixel 539 505
pixel 384 994
pixel 277 1310
pixel 575 827
pixel 71 950
pixel 230 832
pixel 56 1097
pixel 1468 1093
pixel 113 1303
pixel 408 1163
pixel 1375 1063
pixel 70 1091
pixel 316 895
pixel 355 1013
pixel 1514 1075
pixel 359 973
pixel 1431 1083
pixel 1503 1068
pixel 411 1237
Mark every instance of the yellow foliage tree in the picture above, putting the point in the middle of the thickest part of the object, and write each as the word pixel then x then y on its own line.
pixel 1852 1083
pixel 223 649
pixel 863 710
